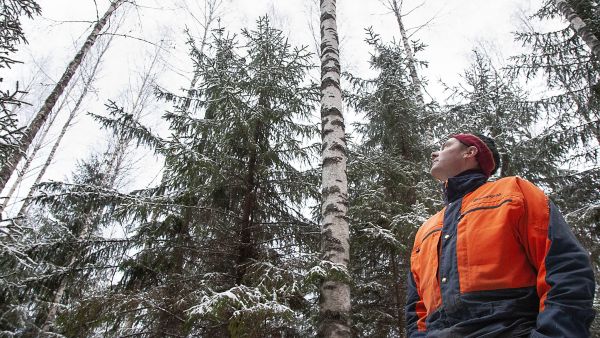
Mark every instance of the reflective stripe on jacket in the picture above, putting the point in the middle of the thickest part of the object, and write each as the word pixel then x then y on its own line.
pixel 498 261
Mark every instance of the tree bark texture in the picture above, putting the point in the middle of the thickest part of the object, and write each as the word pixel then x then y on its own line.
pixel 334 316
pixel 48 105
pixel 580 27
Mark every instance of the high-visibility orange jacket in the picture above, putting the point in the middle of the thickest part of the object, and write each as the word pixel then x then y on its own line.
pixel 498 261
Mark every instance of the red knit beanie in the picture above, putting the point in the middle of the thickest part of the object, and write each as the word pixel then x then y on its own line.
pixel 484 156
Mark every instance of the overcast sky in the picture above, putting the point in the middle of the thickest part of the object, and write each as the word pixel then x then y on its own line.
pixel 454 28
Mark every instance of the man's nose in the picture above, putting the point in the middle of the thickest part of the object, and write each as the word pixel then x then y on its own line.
pixel 434 155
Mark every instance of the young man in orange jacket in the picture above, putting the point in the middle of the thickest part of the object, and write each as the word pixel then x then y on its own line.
pixel 498 260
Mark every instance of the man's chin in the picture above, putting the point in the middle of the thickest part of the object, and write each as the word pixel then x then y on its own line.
pixel 436 174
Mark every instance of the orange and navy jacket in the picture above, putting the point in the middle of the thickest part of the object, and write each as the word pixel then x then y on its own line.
pixel 498 261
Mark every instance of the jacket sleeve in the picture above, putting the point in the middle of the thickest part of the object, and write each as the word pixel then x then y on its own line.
pixel 565 279
pixel 414 309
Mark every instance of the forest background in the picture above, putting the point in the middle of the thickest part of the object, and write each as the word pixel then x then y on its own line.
pixel 173 188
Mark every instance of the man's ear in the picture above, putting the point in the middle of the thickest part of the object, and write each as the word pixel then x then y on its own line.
pixel 471 152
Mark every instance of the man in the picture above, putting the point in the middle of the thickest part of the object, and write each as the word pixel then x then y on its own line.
pixel 498 260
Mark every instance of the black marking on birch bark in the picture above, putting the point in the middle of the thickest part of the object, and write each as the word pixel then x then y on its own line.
pixel 333 36
pixel 331 244
pixel 333 323
pixel 331 208
pixel 329 238
pixel 330 58
pixel 334 189
pixel 333 67
pixel 339 123
pixel 335 316
pixel 324 133
pixel 331 111
pixel 327 82
pixel 327 16
pixel 331 160
pixel 338 147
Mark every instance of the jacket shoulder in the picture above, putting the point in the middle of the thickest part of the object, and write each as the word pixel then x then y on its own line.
pixel 434 222
pixel 521 185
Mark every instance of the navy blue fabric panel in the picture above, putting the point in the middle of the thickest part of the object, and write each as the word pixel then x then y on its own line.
pixel 464 183
pixel 495 313
pixel 448 265
pixel 412 298
pixel 568 307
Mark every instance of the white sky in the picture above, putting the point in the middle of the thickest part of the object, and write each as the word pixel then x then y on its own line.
pixel 456 27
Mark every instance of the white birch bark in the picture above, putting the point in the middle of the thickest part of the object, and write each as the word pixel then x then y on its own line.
pixel 15 157
pixel 334 317
pixel 580 27
pixel 38 145
pixel 86 87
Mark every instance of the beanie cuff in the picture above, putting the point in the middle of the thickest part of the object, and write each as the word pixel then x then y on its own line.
pixel 484 156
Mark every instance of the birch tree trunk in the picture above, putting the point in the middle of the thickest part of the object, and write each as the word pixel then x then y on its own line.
pixel 38 145
pixel 86 86
pixel 580 27
pixel 17 154
pixel 334 316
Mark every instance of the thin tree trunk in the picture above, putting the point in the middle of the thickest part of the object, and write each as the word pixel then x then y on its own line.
pixel 212 4
pixel 208 20
pixel 42 172
pixel 334 316
pixel 17 154
pixel 65 127
pixel 580 27
pixel 398 292
pixel 246 248
pixel 416 82
pixel 38 145
pixel 21 173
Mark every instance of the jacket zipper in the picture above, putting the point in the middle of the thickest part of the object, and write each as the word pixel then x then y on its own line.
pixel 431 232
pixel 483 208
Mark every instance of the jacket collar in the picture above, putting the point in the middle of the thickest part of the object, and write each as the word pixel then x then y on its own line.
pixel 458 186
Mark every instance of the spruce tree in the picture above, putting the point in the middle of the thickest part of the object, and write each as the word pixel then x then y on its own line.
pixel 391 193
pixel 221 247
pixel 492 102
pixel 62 258
pixel 572 72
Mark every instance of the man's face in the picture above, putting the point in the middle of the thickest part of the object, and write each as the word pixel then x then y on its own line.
pixel 449 161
